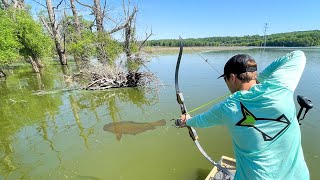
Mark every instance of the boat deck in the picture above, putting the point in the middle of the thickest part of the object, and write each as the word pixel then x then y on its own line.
pixel 226 162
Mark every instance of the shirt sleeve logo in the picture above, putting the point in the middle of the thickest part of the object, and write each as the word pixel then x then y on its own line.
pixel 250 121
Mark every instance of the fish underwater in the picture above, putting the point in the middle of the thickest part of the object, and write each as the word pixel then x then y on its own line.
pixel 131 127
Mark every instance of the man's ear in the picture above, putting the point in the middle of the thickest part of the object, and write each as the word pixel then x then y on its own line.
pixel 233 78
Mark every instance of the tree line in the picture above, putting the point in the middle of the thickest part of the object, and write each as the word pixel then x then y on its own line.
pixel 290 39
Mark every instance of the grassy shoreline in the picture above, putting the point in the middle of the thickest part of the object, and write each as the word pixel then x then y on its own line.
pixel 173 50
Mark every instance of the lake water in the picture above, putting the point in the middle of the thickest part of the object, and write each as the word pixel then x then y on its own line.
pixel 60 134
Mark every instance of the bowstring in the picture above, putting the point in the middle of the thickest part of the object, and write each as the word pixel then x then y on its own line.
pixel 210 102
pixel 206 60
pixel 214 100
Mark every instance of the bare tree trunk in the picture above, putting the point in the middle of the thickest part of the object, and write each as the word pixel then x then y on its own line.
pixel 129 34
pixel 65 70
pixel 34 65
pixel 102 55
pixel 56 34
pixel 40 84
pixel 76 17
pixel 145 40
pixel 77 26
pixel 6 4
pixel 134 60
pixel 38 62
pixel 98 15
pixel 2 74
pixel 18 4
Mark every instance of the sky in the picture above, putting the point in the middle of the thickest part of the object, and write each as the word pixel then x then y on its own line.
pixel 208 18
pixel 170 19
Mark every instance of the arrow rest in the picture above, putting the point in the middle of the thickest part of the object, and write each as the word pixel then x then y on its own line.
pixel 178 123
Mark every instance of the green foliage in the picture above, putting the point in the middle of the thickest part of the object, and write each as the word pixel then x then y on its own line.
pixel 9 44
pixel 134 47
pixel 133 65
pixel 31 35
pixel 79 44
pixel 110 46
pixel 21 36
pixel 292 39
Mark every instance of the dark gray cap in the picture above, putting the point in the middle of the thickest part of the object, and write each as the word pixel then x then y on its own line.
pixel 238 64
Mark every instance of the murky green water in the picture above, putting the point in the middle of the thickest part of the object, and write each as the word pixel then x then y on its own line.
pixel 60 135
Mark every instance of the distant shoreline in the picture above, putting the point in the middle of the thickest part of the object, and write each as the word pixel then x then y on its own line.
pixel 169 50
pixel 155 50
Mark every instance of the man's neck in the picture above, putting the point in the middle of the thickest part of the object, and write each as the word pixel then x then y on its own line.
pixel 246 86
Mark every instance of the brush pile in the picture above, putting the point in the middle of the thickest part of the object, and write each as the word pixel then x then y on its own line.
pixel 106 77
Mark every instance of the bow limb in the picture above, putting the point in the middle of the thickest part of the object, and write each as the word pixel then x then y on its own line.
pixel 192 131
pixel 180 99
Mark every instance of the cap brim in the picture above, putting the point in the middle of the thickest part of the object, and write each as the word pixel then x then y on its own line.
pixel 220 76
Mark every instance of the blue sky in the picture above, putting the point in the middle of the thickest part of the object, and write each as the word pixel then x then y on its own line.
pixel 205 18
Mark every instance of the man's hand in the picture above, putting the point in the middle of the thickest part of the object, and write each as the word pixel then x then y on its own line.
pixel 185 117
pixel 182 121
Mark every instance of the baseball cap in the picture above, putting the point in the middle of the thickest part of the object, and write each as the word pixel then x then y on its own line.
pixel 238 64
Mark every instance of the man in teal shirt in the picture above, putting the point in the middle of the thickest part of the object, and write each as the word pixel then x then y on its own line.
pixel 261 117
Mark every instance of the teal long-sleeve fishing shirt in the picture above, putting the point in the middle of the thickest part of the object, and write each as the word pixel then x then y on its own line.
pixel 263 123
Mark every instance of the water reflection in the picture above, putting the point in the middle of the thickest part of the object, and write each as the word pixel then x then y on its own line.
pixel 19 109
pixel 39 131
pixel 75 110
pixel 43 129
pixel 6 162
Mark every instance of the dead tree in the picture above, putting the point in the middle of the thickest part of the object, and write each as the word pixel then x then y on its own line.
pixel 142 44
pixel 77 27
pixel 35 63
pixel 55 33
pixel 129 32
pixel 108 76
pixel 16 4
pixel 134 59
pixel 99 16
pixel 76 23
pixel 6 4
